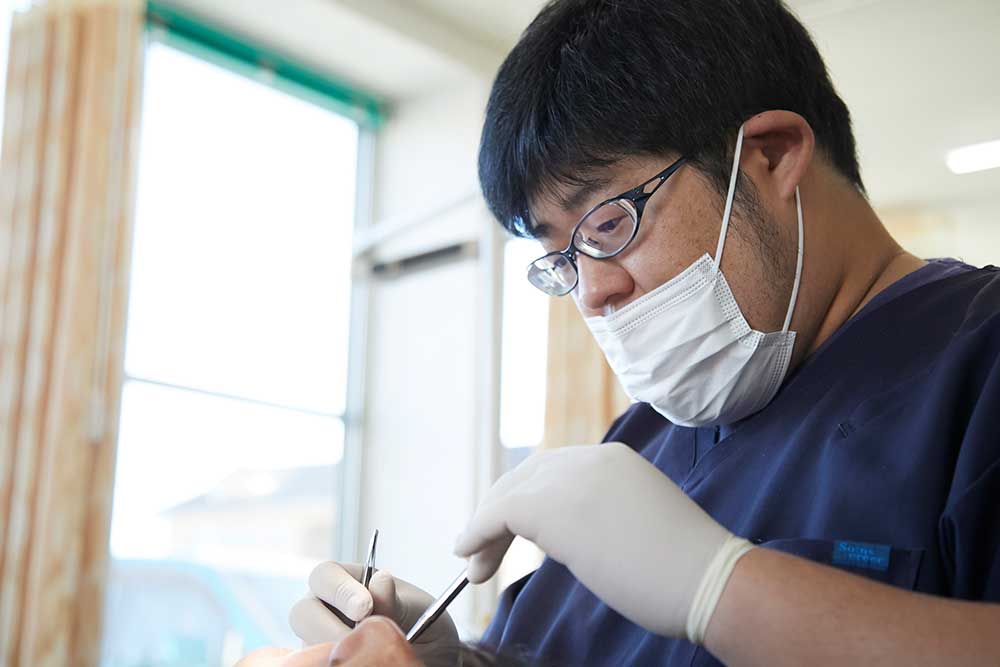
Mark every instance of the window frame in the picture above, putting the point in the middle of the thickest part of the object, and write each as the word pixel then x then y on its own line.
pixel 198 37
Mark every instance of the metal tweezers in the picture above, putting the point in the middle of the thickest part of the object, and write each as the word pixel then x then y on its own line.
pixel 433 612
pixel 437 607
pixel 366 578
pixel 366 575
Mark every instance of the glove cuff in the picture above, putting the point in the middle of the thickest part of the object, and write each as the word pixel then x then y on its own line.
pixel 713 582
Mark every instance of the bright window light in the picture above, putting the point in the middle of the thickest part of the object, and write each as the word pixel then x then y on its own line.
pixel 977 157
pixel 231 432
pixel 525 350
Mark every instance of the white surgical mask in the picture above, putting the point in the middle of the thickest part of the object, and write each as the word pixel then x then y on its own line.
pixel 686 348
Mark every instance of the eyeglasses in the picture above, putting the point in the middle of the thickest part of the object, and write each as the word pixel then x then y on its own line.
pixel 603 232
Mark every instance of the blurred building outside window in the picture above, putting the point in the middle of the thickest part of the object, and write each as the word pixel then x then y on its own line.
pixel 227 488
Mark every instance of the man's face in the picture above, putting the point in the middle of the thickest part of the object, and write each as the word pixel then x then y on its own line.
pixel 681 222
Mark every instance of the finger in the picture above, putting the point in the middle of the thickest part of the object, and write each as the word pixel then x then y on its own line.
pixel 383 591
pixel 496 497
pixel 313 623
pixel 411 602
pixel 485 563
pixel 334 584
pixel 492 522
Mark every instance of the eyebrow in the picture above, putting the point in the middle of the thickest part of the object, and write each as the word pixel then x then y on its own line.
pixel 576 199
pixel 569 203
pixel 541 231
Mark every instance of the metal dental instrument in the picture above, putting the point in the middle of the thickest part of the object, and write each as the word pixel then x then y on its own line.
pixel 437 607
pixel 366 575
pixel 366 578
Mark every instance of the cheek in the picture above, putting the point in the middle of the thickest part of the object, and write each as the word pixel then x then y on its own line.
pixel 668 246
pixel 760 282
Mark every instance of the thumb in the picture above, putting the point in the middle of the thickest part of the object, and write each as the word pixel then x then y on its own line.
pixel 490 533
pixel 499 519
pixel 485 563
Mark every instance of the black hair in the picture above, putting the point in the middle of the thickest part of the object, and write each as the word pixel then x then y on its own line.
pixel 593 81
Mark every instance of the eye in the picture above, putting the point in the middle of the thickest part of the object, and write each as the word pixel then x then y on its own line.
pixel 609 226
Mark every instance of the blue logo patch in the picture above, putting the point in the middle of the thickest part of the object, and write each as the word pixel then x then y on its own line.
pixel 862 554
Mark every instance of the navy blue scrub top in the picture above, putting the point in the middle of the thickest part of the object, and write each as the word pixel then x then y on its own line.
pixel 880 455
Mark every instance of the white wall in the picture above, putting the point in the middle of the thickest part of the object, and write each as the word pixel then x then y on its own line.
pixel 968 230
pixel 426 160
pixel 420 431
pixel 426 455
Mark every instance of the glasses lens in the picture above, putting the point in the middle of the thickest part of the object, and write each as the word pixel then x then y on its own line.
pixel 607 229
pixel 553 274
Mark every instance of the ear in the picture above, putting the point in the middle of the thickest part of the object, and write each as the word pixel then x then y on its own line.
pixel 786 142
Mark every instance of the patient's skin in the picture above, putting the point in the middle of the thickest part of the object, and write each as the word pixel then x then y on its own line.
pixel 376 642
pixel 313 656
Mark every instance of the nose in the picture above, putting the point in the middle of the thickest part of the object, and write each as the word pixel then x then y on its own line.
pixel 601 283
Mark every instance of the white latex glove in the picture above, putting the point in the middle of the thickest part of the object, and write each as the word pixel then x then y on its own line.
pixel 339 586
pixel 621 526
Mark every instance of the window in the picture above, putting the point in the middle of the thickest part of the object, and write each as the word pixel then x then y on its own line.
pixel 228 483
pixel 524 356
pixel 524 353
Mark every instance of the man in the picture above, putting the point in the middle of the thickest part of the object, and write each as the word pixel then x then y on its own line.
pixel 811 473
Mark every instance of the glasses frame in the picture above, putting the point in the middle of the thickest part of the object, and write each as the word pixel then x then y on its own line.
pixel 638 196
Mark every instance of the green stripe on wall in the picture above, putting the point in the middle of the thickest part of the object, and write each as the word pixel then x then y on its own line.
pixel 193 35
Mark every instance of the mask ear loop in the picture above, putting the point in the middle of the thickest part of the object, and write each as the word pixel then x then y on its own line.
pixel 729 201
pixel 798 266
pixel 725 226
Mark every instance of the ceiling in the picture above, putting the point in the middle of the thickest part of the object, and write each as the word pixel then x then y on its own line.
pixel 920 79
pixel 919 75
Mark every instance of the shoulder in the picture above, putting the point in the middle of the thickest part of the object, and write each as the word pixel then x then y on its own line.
pixel 972 302
pixel 983 305
pixel 948 333
pixel 960 310
pixel 965 375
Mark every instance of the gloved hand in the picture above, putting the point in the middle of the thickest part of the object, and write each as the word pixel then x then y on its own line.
pixel 339 586
pixel 621 526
